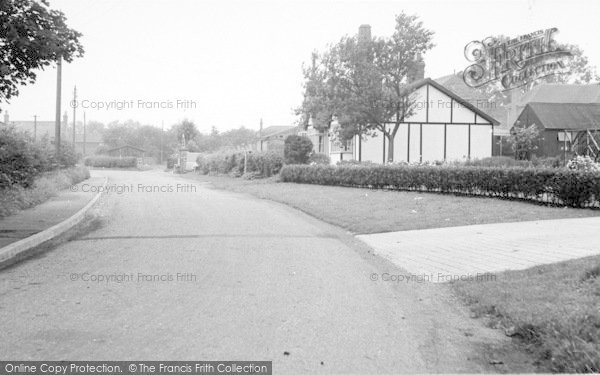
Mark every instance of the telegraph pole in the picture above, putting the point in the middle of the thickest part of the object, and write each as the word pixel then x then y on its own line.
pixel 162 130
pixel 57 120
pixel 74 111
pixel 34 128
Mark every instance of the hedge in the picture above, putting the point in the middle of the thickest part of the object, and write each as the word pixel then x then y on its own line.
pixel 110 162
pixel 264 164
pixel 22 159
pixel 556 186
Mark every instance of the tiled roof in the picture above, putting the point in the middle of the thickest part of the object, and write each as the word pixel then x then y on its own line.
pixel 574 116
pixel 557 93
pixel 275 130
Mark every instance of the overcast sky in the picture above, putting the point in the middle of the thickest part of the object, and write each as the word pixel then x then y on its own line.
pixel 239 61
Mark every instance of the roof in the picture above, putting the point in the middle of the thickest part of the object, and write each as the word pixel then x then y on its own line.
pixel 561 93
pixel 456 84
pixel 464 102
pixel 276 130
pixel 573 116
pixel 126 146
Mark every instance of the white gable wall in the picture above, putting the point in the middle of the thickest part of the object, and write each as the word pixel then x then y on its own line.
pixel 439 129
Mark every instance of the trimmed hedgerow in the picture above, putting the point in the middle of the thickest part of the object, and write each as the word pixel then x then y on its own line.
pixel 556 186
pixel 102 161
pixel 258 163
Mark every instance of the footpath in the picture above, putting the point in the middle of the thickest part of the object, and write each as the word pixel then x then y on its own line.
pixel 445 254
pixel 57 209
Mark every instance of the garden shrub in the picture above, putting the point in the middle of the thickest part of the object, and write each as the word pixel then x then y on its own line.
pixel 321 159
pixel 557 186
pixel 22 160
pixel 103 161
pixel 261 163
pixel 297 149
pixel 509 162
pixel 583 163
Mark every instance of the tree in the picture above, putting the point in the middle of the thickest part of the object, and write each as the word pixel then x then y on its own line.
pixel 32 36
pixel 238 137
pixel 119 134
pixel 364 83
pixel 523 141
pixel 186 128
pixel 297 149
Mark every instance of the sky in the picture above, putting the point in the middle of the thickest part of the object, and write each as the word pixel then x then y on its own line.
pixel 230 63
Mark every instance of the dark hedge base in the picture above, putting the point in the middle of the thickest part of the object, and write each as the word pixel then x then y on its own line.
pixel 559 187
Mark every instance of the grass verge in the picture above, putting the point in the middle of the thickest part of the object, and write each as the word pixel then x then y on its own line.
pixel 44 187
pixel 364 211
pixel 554 310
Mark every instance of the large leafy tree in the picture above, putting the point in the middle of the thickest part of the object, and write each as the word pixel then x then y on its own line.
pixel 364 83
pixel 32 36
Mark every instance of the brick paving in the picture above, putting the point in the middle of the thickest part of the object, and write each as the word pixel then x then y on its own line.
pixel 448 253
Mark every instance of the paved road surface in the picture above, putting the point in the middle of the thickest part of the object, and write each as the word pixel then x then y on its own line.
pixel 445 254
pixel 257 279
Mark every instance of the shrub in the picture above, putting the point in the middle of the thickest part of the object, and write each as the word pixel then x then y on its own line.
pixel 266 163
pixel 321 159
pixel 297 149
pixel 583 163
pixel 22 160
pixel 110 162
pixel 18 159
pixel 261 163
pixel 557 186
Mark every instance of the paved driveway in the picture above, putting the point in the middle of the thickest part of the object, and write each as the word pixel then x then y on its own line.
pixel 440 255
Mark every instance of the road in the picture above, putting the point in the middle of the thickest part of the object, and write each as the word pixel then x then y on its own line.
pixel 201 274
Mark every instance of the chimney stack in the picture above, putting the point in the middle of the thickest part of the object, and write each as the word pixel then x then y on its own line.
pixel 416 71
pixel 364 34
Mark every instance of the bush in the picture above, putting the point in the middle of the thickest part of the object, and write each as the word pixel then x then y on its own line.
pixel 110 162
pixel 18 159
pixel 297 149
pixel 557 186
pixel 320 159
pixel 22 160
pixel 583 163
pixel 264 164
pixel 510 162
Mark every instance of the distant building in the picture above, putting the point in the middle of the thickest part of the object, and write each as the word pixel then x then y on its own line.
pixel 566 128
pixel 272 138
pixel 39 129
pixel 127 151
pixel 567 115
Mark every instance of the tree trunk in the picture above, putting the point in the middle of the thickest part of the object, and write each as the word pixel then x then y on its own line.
pixel 390 137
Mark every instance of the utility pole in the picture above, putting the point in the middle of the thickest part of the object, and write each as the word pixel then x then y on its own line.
pixel 57 120
pixel 83 133
pixel 34 128
pixel 162 131
pixel 74 111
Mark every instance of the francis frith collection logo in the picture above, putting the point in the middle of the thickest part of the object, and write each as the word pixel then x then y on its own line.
pixel 515 62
